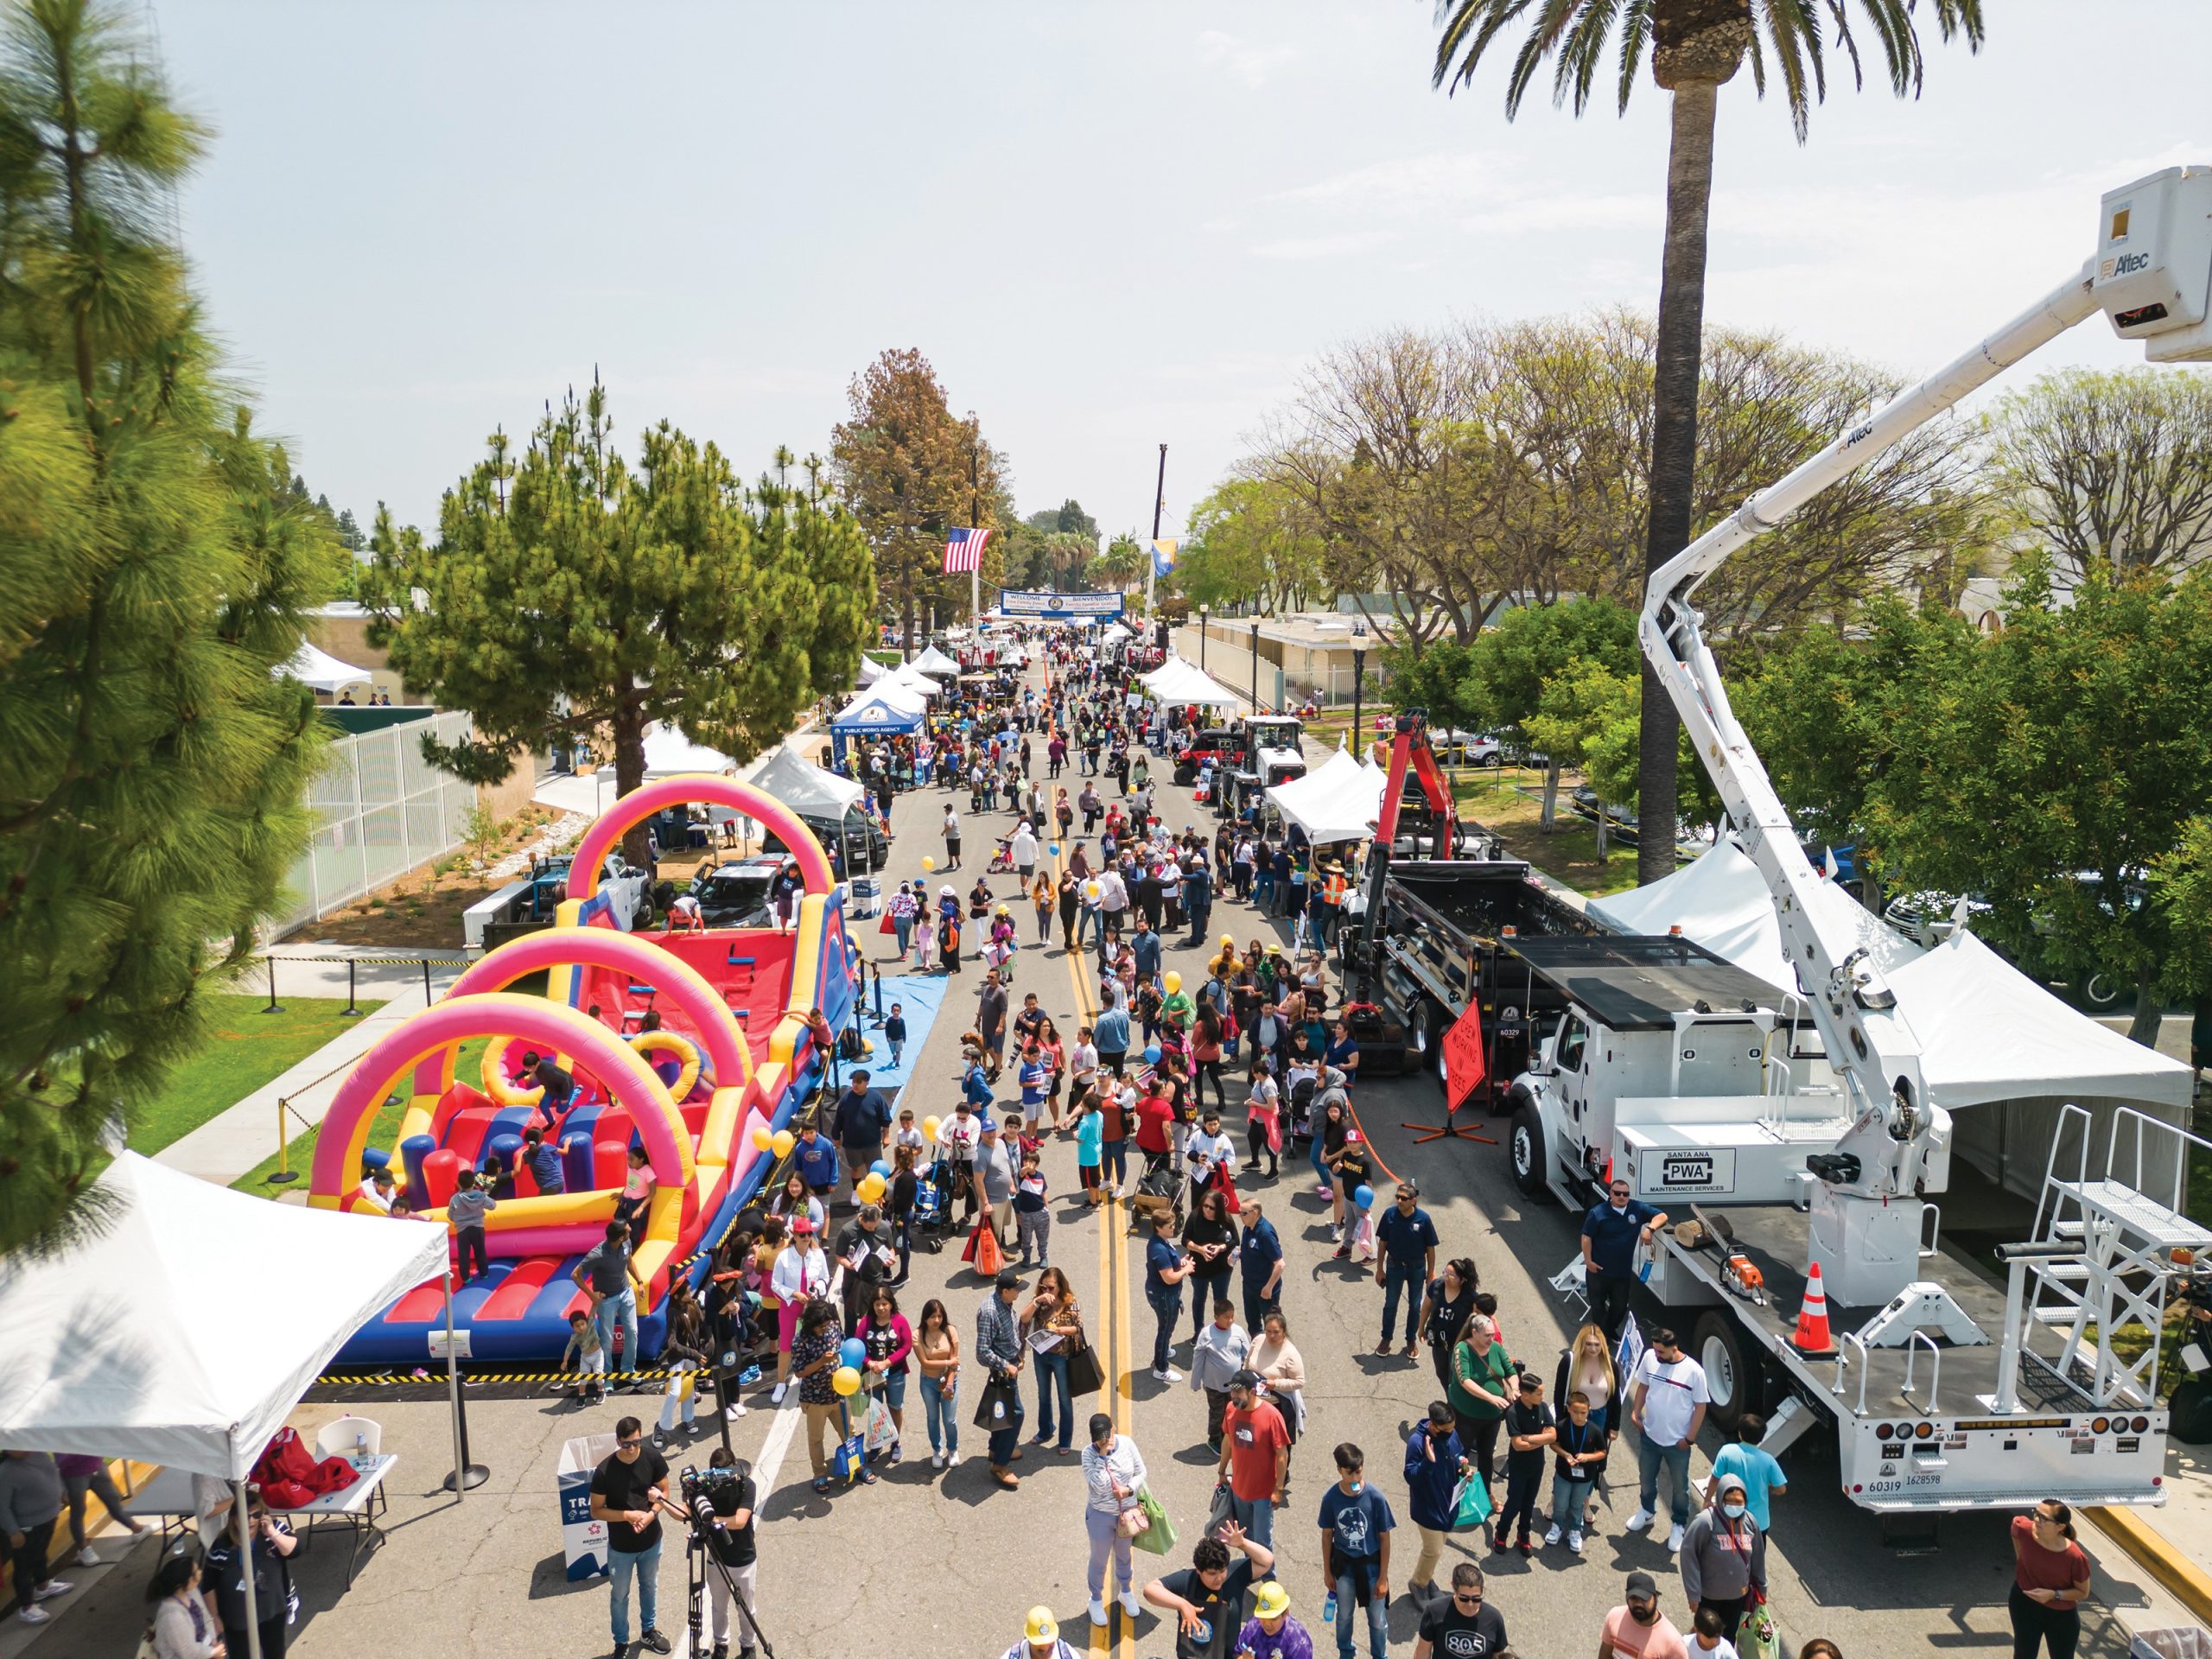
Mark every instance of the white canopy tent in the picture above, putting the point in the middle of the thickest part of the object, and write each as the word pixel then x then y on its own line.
pixel 887 705
pixel 1179 680
pixel 668 752
pixel 1338 800
pixel 803 786
pixel 871 672
pixel 933 661
pixel 1721 901
pixel 1112 633
pixel 912 678
pixel 312 666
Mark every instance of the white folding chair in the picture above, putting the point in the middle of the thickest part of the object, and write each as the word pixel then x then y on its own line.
pixel 347 1437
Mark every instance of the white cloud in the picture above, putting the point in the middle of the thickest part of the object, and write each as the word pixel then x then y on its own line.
pixel 1247 64
pixel 1319 247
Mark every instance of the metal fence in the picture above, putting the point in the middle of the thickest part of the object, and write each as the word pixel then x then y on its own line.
pixel 381 809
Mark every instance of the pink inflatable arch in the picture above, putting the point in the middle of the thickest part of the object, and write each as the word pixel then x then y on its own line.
pixel 683 789
pixel 629 1081
pixel 624 953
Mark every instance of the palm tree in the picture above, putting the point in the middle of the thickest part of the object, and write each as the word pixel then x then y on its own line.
pixel 1121 564
pixel 1696 46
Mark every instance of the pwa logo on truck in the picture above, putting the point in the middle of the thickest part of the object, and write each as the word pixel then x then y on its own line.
pixel 1687 1169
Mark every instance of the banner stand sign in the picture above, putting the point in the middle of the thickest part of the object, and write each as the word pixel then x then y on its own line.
pixel 1043 605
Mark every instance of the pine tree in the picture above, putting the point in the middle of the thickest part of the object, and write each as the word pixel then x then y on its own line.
pixel 155 568
pixel 571 595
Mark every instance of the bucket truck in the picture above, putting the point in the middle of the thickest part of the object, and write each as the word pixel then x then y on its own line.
pixel 1795 1120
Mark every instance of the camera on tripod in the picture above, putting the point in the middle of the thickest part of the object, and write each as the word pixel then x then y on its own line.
pixel 719 1557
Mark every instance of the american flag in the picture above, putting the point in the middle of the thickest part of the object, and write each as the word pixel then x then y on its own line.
pixel 964 548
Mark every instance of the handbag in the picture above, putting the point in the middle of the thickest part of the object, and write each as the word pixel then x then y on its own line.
pixel 877 1431
pixel 1086 1374
pixel 1132 1521
pixel 1760 1638
pixel 1470 1500
pixel 1158 1535
pixel 886 925
pixel 998 1407
pixel 851 1457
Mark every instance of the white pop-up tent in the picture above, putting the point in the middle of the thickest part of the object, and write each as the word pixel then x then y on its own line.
pixel 803 786
pixel 312 666
pixel 1338 800
pixel 115 1348
pixel 1720 900
pixel 669 753
pixel 871 672
pixel 933 661
pixel 1179 680
pixel 910 676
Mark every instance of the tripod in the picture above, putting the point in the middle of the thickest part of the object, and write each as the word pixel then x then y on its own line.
pixel 698 1560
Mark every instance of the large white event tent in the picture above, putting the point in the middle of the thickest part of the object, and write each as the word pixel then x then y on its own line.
pixel 115 1348
pixel 1179 680
pixel 1989 1035
pixel 802 785
pixel 913 677
pixel 933 661
pixel 312 666
pixel 669 753
pixel 1338 800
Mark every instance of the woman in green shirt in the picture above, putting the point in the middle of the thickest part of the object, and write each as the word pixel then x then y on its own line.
pixel 1482 1385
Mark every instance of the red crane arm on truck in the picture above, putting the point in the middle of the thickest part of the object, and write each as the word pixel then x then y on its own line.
pixel 1410 746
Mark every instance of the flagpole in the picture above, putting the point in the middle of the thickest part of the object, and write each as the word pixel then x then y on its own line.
pixel 975 522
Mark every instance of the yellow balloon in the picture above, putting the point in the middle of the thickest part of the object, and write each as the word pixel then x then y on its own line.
pixel 762 1137
pixel 1091 889
pixel 1173 980
pixel 872 1190
pixel 783 1141
pixel 930 1127
pixel 928 864
pixel 845 1380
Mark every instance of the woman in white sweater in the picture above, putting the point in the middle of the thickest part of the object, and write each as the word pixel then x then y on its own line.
pixel 1113 1478
pixel 1282 1368
pixel 184 1625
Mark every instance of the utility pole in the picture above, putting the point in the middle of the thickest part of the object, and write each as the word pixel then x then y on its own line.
pixel 1151 553
pixel 975 522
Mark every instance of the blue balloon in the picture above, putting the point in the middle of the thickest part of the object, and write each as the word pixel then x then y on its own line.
pixel 1362 1196
pixel 1151 1054
pixel 1056 850
pixel 880 1169
pixel 853 1351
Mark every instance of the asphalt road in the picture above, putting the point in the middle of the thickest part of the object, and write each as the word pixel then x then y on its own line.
pixel 932 1564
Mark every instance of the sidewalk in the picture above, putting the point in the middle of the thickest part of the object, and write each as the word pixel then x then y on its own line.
pixel 237 1139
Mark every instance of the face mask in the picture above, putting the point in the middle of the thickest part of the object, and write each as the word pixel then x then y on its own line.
pixel 1732 1510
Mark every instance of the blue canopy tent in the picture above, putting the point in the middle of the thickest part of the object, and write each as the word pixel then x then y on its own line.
pixel 883 710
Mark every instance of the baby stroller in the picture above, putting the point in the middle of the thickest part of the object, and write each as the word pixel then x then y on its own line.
pixel 1159 1190
pixel 1001 860
pixel 932 1222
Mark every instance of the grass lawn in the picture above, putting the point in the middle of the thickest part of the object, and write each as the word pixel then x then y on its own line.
pixel 384 1130
pixel 1569 854
pixel 246 1049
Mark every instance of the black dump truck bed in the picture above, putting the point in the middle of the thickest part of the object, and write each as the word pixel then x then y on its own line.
pixel 1641 982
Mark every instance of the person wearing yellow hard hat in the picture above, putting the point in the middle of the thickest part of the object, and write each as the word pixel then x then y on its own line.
pixel 1271 1632
pixel 1041 1638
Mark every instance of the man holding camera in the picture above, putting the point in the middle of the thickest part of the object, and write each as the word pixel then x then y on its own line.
pixel 722 1513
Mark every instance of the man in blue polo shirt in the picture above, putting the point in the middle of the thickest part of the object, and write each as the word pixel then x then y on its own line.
pixel 1405 1261
pixel 862 1122
pixel 1612 1232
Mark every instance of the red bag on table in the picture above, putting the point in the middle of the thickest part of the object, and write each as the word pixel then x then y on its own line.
pixel 290 1475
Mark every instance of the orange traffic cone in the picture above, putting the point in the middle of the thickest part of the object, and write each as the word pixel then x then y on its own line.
pixel 1812 1337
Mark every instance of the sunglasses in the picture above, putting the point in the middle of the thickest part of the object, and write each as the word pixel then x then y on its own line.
pixel 1471 1599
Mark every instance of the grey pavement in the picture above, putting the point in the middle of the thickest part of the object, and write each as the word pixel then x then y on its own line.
pixel 946 1564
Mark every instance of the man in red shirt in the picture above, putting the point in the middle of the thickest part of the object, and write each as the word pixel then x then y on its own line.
pixel 1255 1457
pixel 1155 1116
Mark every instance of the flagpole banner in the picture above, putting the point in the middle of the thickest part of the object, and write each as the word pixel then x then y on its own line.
pixel 963 550
pixel 1048 605
pixel 1164 550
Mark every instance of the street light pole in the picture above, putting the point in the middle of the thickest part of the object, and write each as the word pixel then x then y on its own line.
pixel 1201 639
pixel 1256 665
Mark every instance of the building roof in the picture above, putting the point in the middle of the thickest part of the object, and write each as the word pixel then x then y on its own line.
pixel 1641 982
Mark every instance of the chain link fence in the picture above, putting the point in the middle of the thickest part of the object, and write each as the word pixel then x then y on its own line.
pixel 381 809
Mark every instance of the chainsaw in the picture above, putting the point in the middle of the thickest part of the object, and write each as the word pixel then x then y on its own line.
pixel 1739 1275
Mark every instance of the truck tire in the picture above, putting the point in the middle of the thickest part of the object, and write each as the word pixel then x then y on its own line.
pixel 1425 1030
pixel 1732 1368
pixel 1525 1147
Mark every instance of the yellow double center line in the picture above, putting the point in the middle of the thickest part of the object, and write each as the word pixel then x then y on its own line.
pixel 1118 1634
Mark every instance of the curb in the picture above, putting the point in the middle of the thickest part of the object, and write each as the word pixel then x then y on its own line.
pixel 2151 1548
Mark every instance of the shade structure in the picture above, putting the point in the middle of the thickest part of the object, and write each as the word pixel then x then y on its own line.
pixel 883 708
pixel 1338 800
pixel 910 676
pixel 803 786
pixel 669 753
pixel 933 661
pixel 871 672
pixel 1179 680
pixel 314 666
pixel 115 1346
pixel 1112 633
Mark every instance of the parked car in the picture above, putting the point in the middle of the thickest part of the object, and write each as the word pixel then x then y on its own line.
pixel 858 841
pixel 1456 748
pixel 736 893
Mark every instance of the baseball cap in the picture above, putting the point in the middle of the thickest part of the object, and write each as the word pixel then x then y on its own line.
pixel 1246 1378
pixel 1642 1587
pixel 1270 1600
pixel 1351 1135
pixel 1008 1280
pixel 802 1224
pixel 1041 1626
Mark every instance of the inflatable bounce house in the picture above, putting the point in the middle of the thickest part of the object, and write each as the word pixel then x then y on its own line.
pixel 691 1046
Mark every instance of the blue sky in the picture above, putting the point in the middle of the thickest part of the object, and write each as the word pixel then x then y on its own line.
pixel 1108 224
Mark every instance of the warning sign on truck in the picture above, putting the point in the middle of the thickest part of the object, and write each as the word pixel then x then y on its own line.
pixel 1689 1170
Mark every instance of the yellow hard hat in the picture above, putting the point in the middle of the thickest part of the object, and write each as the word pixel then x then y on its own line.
pixel 1270 1599
pixel 1041 1626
